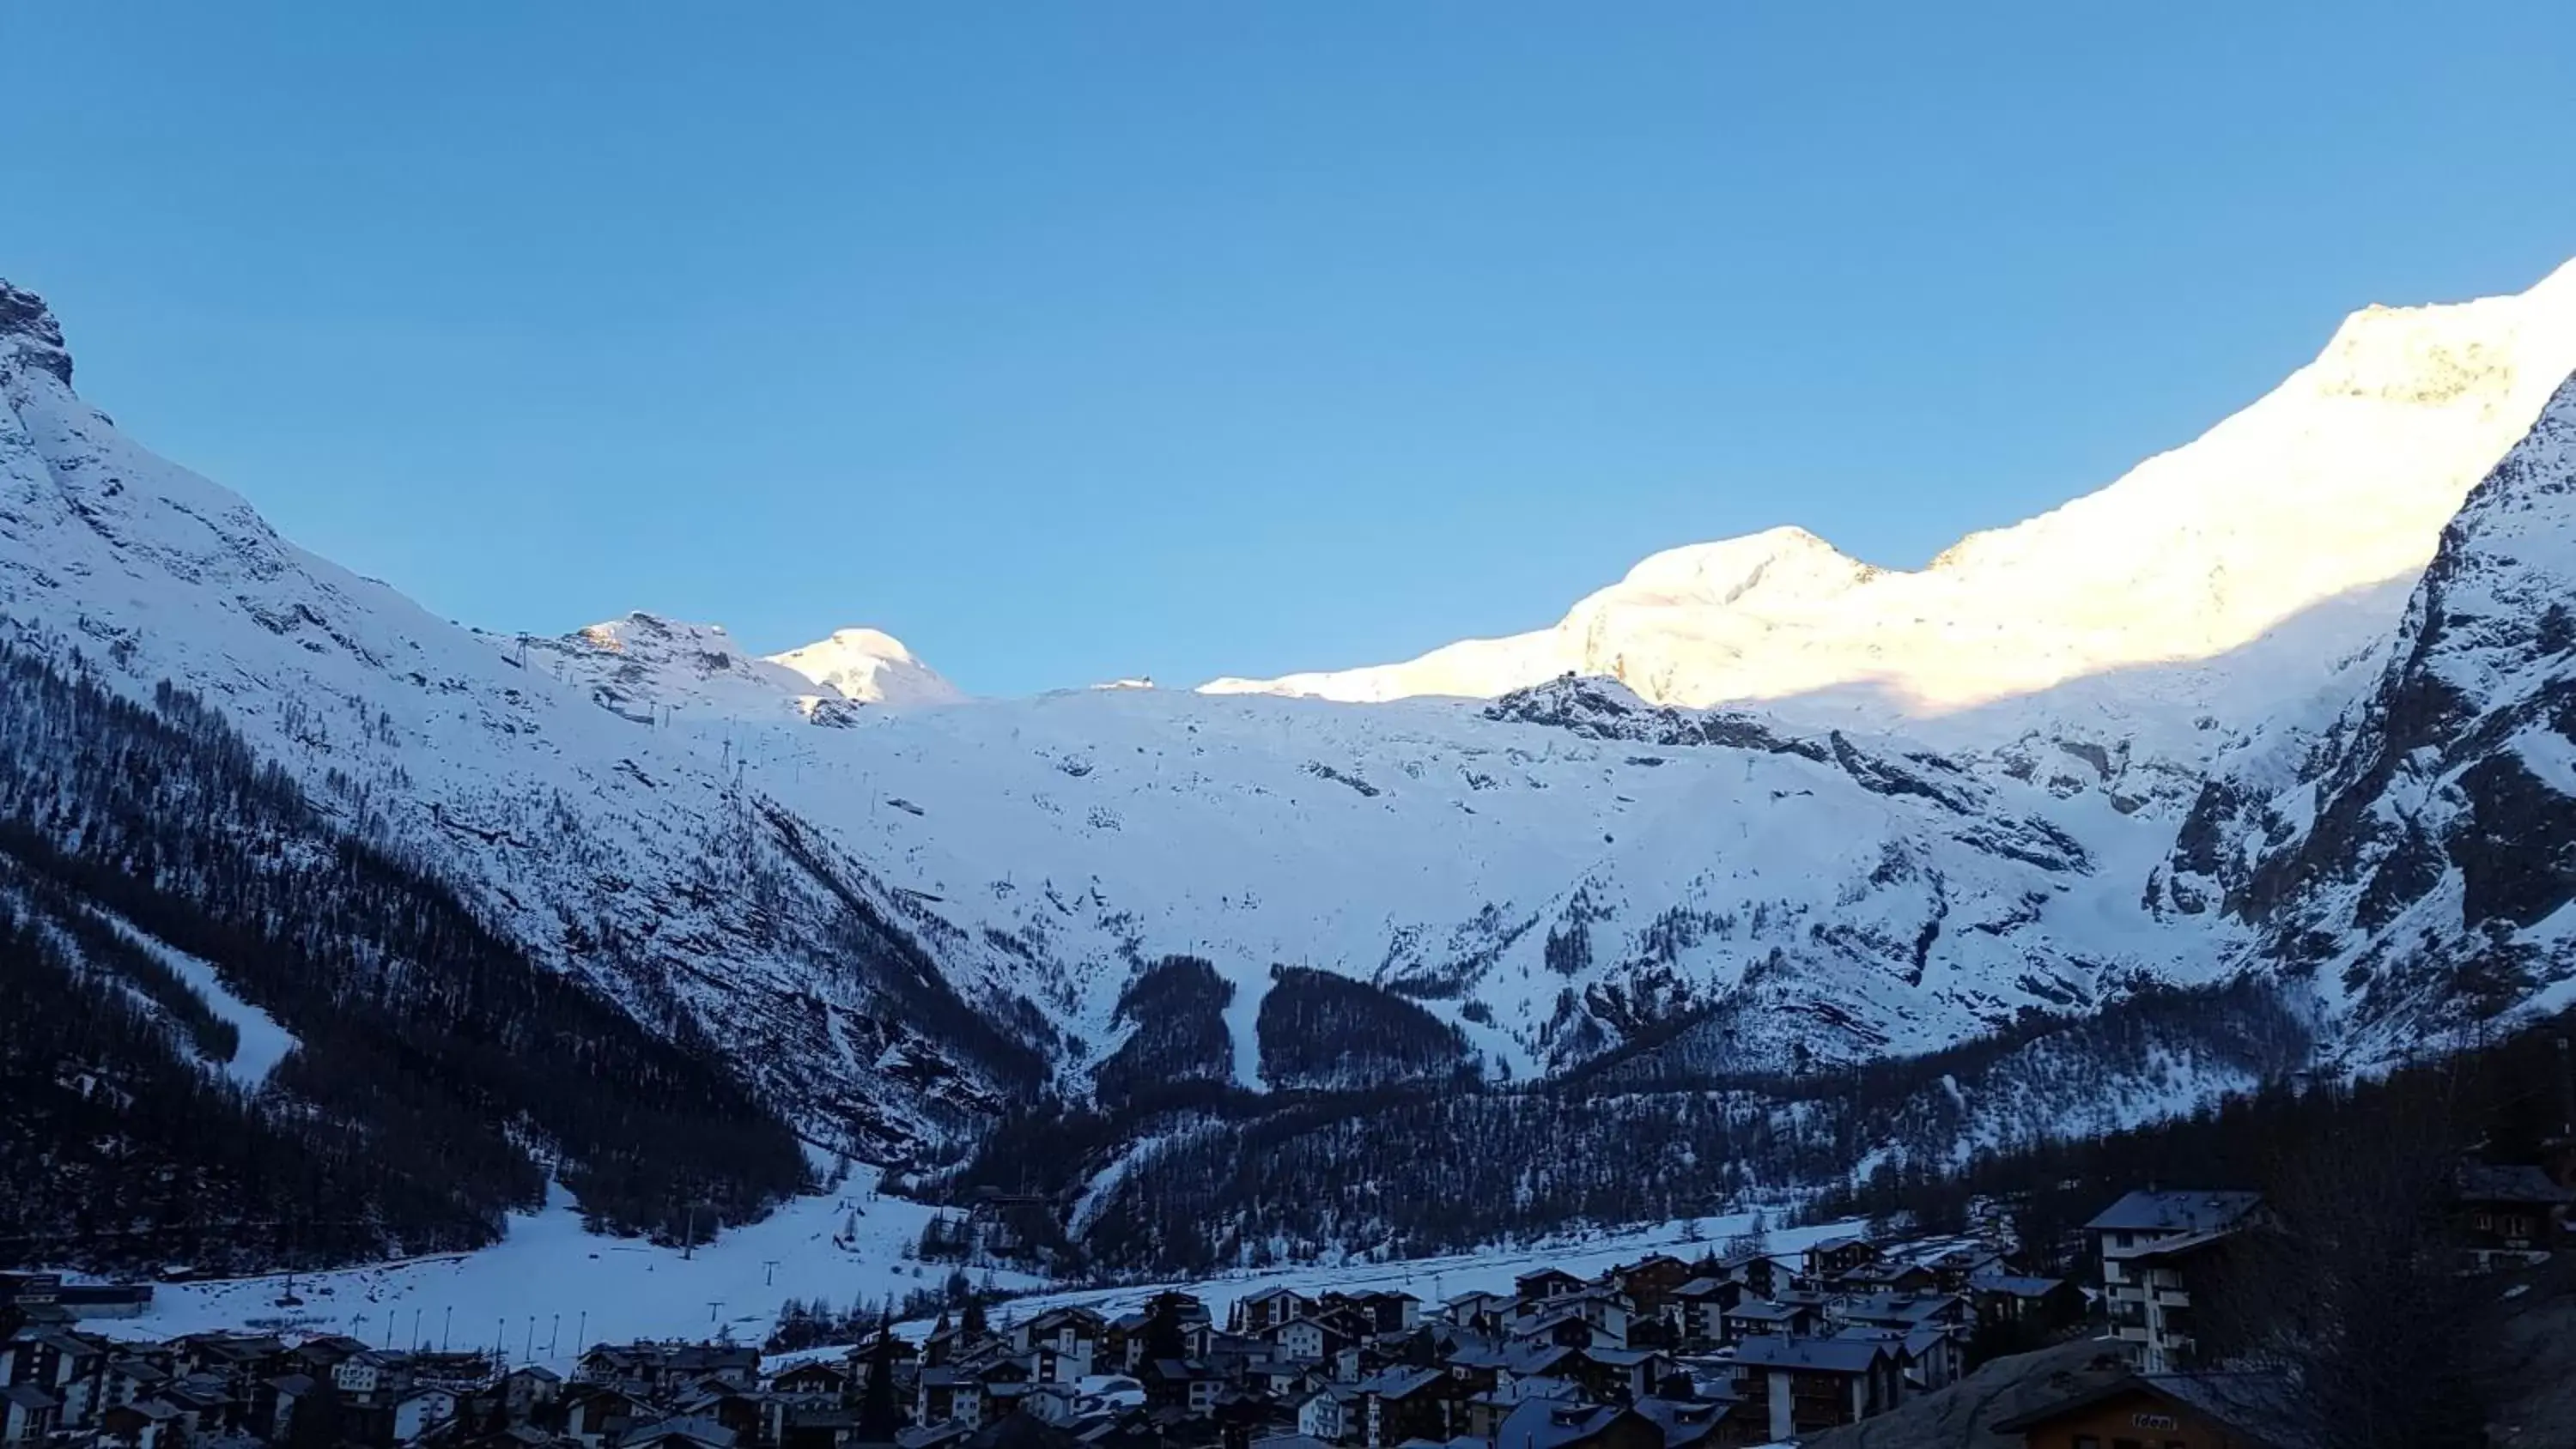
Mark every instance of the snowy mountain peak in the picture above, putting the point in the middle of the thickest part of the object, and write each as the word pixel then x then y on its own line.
pixel 1775 565
pixel 29 332
pixel 869 666
pixel 2207 589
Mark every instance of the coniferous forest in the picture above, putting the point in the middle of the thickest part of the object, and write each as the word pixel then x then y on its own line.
pixel 438 1076
pixel 1223 1176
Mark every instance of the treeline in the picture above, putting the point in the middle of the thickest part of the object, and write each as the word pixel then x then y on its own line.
pixel 2500 1100
pixel 1321 1030
pixel 120 1146
pixel 1180 1039
pixel 1412 1173
pixel 1229 1177
pixel 2350 1284
pixel 458 1060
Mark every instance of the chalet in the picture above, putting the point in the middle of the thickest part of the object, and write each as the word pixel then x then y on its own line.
pixel 1186 1385
pixel 2509 1214
pixel 1057 1404
pixel 1384 1311
pixel 372 1372
pixel 1563 1327
pixel 1759 1317
pixel 140 1424
pixel 945 1393
pixel 943 1435
pixel 1526 1366
pixel 1328 1414
pixel 1353 1362
pixel 2150 1242
pixel 680 1433
pixel 128 1378
pixel 1953 1267
pixel 1693 1423
pixel 1073 1332
pixel 1699 1309
pixel 1304 1337
pixel 1800 1386
pixel 2174 1411
pixel 322 1353
pixel 1886 1276
pixel 1825 1261
pixel 597 1414
pixel 199 1404
pixel 2000 1299
pixel 28 1414
pixel 66 1364
pixel 819 1381
pixel 1903 1312
pixel 1544 1284
pixel 1049 1364
pixel 1649 1282
pixel 1564 1424
pixel 820 1426
pixel 1404 1403
pixel 274 1408
pixel 1280 1377
pixel 1257 1313
pixel 945 1339
pixel 464 1370
pixel 1753 1268
pixel 1933 1358
pixel 525 1388
pixel 1607 1309
pixel 420 1410
pixel 660 1368
pixel 1477 1310
pixel 751 1416
pixel 236 1360
pixel 1615 1373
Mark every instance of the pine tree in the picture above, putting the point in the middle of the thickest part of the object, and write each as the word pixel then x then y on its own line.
pixel 878 1418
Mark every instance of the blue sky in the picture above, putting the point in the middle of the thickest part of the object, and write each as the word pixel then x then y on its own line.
pixel 1075 340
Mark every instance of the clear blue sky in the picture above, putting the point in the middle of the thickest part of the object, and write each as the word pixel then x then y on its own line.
pixel 1071 340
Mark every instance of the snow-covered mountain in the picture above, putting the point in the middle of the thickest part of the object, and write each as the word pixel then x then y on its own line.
pixel 2205 592
pixel 1816 812
pixel 871 667
pixel 2415 863
pixel 651 669
pixel 628 855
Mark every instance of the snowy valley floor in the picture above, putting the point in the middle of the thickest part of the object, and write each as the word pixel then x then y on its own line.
pixel 549 1287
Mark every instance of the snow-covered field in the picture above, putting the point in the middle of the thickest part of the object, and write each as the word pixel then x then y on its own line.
pixel 550 1288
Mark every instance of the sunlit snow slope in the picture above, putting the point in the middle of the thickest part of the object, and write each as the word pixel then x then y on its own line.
pixel 2208 588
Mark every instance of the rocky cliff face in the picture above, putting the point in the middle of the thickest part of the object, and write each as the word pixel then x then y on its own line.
pixel 2415 861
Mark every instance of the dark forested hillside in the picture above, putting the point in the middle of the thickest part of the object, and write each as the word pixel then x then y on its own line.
pixel 1226 1176
pixel 1180 1047
pixel 1319 1030
pixel 2502 1099
pixel 466 1071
